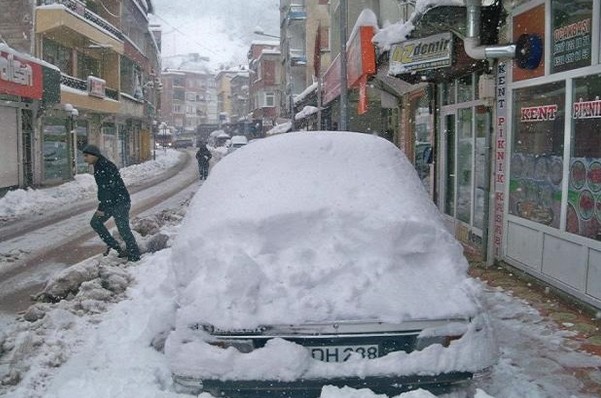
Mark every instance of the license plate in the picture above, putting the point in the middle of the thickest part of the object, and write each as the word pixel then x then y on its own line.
pixel 339 353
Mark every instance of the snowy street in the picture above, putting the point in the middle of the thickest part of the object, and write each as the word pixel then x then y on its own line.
pixel 45 234
pixel 106 338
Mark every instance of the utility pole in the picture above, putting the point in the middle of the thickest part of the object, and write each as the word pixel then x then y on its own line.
pixel 343 7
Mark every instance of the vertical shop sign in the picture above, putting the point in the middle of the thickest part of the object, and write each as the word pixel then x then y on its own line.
pixel 500 151
pixel 571 38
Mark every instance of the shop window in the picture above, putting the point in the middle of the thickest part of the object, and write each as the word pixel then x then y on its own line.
pixel 82 141
pixel 447 93
pixel 537 156
pixel 422 127
pixel 571 38
pixel 584 193
pixel 464 165
pixel 56 151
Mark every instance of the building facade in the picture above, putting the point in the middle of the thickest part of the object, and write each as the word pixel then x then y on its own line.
pixel 265 96
pixel 188 97
pixel 109 63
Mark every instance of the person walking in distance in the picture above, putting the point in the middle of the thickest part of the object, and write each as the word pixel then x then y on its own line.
pixel 203 155
pixel 113 201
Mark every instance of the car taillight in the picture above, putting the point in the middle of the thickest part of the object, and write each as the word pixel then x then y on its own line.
pixel 244 346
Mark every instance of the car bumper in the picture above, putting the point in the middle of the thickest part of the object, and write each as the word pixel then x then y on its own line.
pixel 312 387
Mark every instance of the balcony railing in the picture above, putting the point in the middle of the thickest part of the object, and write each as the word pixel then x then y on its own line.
pixel 80 8
pixel 82 85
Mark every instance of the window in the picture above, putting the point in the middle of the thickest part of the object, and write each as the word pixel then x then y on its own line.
pixel 537 156
pixel 177 108
pixel 190 96
pixel 584 191
pixel 269 100
pixel 179 95
pixel 58 55
pixel 87 66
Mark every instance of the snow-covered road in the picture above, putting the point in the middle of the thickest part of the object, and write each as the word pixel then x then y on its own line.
pixel 28 259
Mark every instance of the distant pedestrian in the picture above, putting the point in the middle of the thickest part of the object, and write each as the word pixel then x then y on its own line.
pixel 114 201
pixel 203 155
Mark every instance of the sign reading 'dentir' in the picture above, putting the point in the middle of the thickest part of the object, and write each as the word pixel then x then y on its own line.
pixel 425 53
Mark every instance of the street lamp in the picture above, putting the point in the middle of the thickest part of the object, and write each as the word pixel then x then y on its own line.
pixel 288 65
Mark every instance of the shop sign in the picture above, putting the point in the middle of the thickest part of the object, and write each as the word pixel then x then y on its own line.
pixel 96 87
pixel 541 113
pixel 571 39
pixel 499 161
pixel 430 52
pixel 587 109
pixel 19 76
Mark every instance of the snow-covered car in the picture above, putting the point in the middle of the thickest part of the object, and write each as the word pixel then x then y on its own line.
pixel 237 142
pixel 313 259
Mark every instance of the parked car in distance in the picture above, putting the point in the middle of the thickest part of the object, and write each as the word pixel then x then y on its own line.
pixel 313 259
pixel 183 143
pixel 236 142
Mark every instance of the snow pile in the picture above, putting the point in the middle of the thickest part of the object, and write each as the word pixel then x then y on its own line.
pixel 38 201
pixel 279 129
pixel 72 305
pixel 306 112
pixel 293 215
pixel 23 202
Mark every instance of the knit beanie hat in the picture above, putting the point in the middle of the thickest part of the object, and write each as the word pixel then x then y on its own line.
pixel 92 150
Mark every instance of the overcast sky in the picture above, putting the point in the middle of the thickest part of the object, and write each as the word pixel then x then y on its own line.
pixel 220 30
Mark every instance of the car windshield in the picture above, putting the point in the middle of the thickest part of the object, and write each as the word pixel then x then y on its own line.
pixel 300 199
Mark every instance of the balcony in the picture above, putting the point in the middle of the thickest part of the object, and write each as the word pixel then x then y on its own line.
pixel 297 12
pixel 82 85
pixel 75 20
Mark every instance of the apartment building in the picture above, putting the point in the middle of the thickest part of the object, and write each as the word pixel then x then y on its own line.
pixel 109 64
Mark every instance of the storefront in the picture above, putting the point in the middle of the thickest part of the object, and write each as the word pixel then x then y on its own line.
pixel 448 129
pixel 552 226
pixel 464 134
pixel 26 86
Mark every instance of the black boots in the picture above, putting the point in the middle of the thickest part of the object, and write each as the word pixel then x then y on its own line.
pixel 122 254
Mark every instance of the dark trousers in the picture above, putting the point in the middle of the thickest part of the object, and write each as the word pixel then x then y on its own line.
pixel 121 215
pixel 203 170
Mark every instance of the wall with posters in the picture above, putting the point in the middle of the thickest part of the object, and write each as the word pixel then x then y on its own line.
pixel 552 226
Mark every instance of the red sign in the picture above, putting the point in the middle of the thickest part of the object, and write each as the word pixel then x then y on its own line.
pixel 540 113
pixel 19 76
pixel 96 87
pixel 361 62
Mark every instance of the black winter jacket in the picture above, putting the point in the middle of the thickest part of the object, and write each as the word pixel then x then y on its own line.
pixel 203 155
pixel 111 188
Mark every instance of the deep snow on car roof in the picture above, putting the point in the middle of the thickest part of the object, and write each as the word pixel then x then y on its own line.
pixel 316 226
